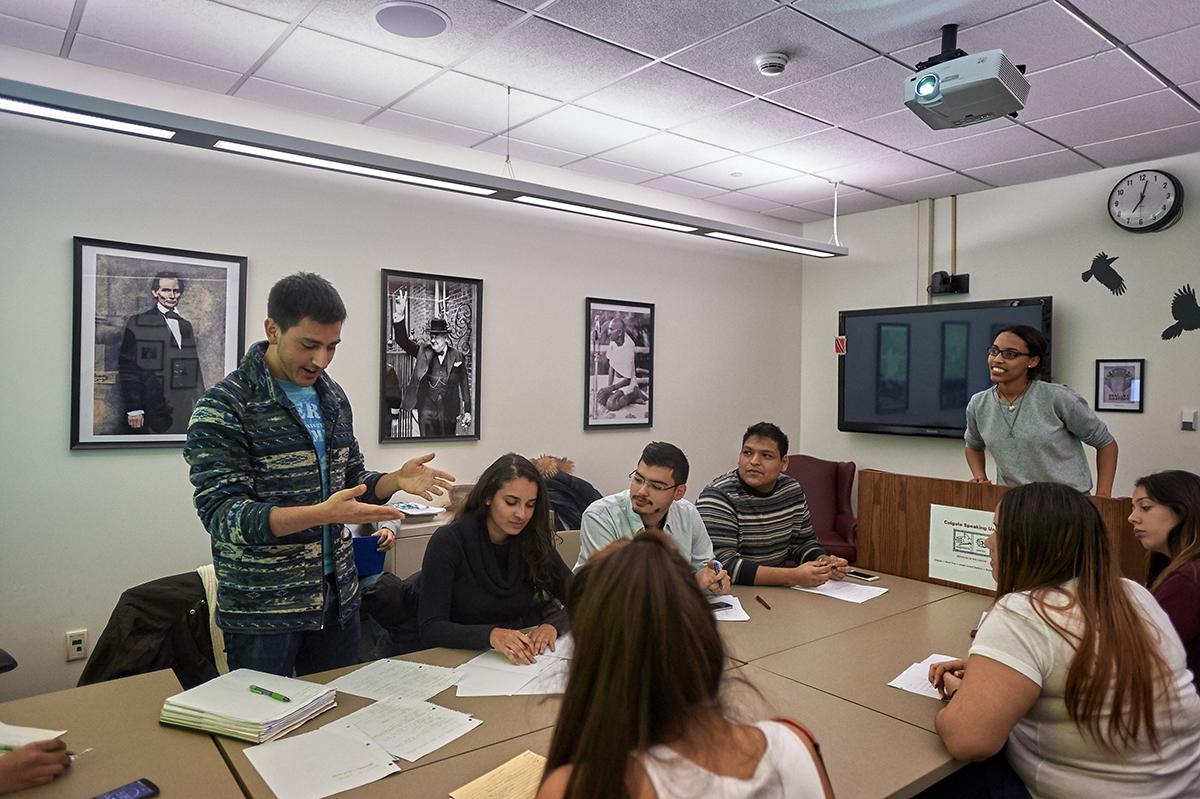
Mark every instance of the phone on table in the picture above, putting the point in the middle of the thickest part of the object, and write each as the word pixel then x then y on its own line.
pixel 138 789
pixel 855 573
pixel 721 605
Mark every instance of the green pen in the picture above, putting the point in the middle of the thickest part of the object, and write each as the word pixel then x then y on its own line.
pixel 254 689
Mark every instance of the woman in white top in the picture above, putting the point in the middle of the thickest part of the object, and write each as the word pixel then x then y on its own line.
pixel 1078 670
pixel 641 717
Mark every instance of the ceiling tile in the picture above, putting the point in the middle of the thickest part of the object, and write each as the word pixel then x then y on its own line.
pixel 1146 146
pixel 1039 167
pixel 823 150
pixel 851 202
pixel 528 152
pixel 203 33
pixel 796 214
pixel 472 22
pixel 750 126
pixel 580 129
pixel 904 130
pixel 1038 37
pixel 311 60
pixel 932 188
pixel 56 13
pixel 814 50
pixel 656 28
pixel 265 91
pixel 739 172
pixel 285 10
pixel 551 60
pixel 1174 55
pixel 859 92
pixel 988 148
pixel 473 102
pixel 151 65
pixel 1112 75
pixel 1133 23
pixel 895 24
pixel 662 96
pixel 423 128
pixel 794 191
pixel 612 171
pixel 1192 90
pixel 1147 112
pixel 680 186
pixel 666 152
pixel 882 171
pixel 737 199
pixel 30 35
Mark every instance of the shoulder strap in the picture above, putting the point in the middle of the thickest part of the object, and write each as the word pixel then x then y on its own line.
pixel 811 740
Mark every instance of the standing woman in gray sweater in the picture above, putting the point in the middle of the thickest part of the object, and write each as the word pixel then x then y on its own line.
pixel 1034 429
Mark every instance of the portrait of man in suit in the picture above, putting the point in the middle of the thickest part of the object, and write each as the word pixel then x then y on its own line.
pixel 158 367
pixel 438 388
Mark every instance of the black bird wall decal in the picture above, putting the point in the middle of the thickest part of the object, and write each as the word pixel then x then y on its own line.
pixel 1186 313
pixel 1104 273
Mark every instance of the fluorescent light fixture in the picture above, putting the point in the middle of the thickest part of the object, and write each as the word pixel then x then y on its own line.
pixel 619 217
pixel 62 115
pixel 353 169
pixel 769 244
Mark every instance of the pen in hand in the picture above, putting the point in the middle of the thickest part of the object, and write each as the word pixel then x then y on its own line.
pixel 254 689
pixel 716 566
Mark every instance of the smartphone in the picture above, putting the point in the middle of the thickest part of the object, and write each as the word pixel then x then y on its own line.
pixel 855 573
pixel 721 605
pixel 138 789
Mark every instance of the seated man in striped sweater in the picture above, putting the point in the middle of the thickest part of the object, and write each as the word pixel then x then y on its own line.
pixel 758 518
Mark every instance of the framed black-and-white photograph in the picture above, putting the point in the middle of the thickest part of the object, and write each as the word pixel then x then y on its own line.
pixel 154 326
pixel 431 357
pixel 1120 385
pixel 619 389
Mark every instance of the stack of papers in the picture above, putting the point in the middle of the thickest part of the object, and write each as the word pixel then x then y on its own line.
pixel 388 679
pixel 490 674
pixel 847 592
pixel 12 736
pixel 249 705
pixel 406 729
pixel 519 778
pixel 416 509
pixel 320 763
pixel 728 608
pixel 915 679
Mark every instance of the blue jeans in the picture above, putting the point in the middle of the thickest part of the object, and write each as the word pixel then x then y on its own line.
pixel 293 654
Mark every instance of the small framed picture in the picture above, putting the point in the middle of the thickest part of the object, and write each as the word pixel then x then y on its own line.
pixel 619 391
pixel 1120 385
pixel 153 327
pixel 430 346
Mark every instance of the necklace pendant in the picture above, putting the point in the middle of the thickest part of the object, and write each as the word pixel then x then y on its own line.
pixel 1012 408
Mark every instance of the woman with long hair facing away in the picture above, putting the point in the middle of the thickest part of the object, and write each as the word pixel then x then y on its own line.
pixel 1166 521
pixel 1034 429
pixel 642 715
pixel 494 570
pixel 1076 668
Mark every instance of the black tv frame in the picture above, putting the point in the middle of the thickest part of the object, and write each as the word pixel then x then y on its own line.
pixel 1047 304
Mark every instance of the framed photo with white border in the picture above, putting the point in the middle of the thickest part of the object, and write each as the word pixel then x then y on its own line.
pixel 1120 385
pixel 619 367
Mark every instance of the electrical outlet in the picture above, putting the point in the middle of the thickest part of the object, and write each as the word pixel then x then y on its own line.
pixel 77 645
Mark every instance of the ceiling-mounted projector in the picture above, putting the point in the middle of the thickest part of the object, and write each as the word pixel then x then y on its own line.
pixel 953 89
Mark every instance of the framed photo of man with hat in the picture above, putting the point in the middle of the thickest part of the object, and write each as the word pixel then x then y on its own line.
pixel 431 357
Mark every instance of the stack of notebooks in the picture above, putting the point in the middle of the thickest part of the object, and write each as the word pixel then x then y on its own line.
pixel 248 705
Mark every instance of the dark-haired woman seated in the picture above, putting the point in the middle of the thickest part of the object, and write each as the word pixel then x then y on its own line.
pixel 1166 520
pixel 494 570
pixel 642 716
pixel 1075 668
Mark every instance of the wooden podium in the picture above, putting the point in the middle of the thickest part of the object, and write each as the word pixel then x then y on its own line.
pixel 893 523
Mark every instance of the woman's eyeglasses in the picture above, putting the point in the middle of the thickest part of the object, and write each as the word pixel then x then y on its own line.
pixel 1007 355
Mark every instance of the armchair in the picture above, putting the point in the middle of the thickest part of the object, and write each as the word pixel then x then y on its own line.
pixel 827 485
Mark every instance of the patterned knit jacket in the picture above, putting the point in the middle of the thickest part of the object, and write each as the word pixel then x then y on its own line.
pixel 249 451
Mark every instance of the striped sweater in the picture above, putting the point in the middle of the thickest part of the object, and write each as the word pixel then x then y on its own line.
pixel 749 529
pixel 249 451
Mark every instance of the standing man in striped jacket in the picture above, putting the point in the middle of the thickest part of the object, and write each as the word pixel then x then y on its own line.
pixel 278 474
pixel 758 518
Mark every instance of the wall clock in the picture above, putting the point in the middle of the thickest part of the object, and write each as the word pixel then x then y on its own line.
pixel 1146 201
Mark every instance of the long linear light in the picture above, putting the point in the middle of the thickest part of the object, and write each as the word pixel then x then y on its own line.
pixel 619 217
pixel 354 169
pixel 76 118
pixel 773 245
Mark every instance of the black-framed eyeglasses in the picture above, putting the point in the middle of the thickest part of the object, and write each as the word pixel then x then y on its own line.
pixel 1007 355
pixel 638 480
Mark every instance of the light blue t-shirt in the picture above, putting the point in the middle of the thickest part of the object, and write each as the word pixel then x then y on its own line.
pixel 308 406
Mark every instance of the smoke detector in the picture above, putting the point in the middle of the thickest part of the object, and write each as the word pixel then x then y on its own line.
pixel 771 64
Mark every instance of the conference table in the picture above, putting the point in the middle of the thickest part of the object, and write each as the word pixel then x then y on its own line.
pixel 819 660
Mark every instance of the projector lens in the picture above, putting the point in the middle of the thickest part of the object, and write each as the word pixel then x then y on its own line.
pixel 927 86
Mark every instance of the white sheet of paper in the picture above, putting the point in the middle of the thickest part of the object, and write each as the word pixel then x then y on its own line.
pixel 847 592
pixel 564 648
pixel 386 678
pixel 410 730
pixel 552 680
pixel 11 735
pixel 319 764
pixel 915 679
pixel 734 613
pixel 491 682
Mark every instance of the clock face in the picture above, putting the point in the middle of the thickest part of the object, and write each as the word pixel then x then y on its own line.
pixel 1145 201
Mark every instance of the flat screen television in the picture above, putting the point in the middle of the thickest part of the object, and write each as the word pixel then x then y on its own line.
pixel 910 371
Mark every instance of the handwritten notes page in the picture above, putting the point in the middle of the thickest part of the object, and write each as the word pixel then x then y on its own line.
pixel 517 779
pixel 320 763
pixel 847 592
pixel 385 679
pixel 915 679
pixel 409 729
